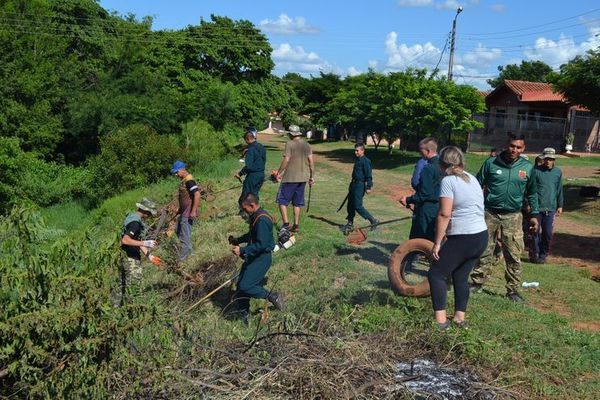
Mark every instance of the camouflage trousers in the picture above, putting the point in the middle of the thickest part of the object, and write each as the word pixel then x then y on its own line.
pixel 131 274
pixel 510 227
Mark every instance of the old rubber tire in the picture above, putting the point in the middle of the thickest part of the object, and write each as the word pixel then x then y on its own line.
pixel 400 285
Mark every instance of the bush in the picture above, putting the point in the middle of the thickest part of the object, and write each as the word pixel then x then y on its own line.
pixel 23 175
pixel 131 157
pixel 204 146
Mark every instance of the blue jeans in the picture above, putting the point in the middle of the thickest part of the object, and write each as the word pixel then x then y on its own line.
pixel 184 233
pixel 543 236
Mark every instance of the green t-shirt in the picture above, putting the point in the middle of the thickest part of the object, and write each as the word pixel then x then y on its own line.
pixel 297 169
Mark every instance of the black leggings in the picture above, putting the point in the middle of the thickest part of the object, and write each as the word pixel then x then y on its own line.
pixel 458 256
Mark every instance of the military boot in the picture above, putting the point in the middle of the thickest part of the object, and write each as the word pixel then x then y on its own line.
pixel 277 300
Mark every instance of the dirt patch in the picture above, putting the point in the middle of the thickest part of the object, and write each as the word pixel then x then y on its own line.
pixel 579 250
pixel 551 306
pixel 570 171
pixel 586 326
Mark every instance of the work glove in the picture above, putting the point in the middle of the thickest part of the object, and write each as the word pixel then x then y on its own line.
pixel 149 243
pixel 232 240
pixel 154 260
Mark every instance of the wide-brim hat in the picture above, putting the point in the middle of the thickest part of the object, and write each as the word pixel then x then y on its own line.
pixel 548 152
pixel 148 206
pixel 294 130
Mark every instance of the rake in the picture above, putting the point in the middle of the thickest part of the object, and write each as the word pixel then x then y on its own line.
pixel 359 235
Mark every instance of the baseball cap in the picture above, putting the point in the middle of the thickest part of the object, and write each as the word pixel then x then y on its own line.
pixel 548 152
pixel 177 165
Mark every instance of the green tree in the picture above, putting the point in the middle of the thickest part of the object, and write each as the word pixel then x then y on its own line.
pixel 533 71
pixel 579 80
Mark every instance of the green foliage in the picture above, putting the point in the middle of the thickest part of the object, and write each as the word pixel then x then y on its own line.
pixel 204 146
pixel 578 81
pixel 131 157
pixel 24 176
pixel 56 322
pixel 405 105
pixel 533 71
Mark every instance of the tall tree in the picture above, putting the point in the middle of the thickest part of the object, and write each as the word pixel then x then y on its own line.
pixel 533 71
pixel 579 80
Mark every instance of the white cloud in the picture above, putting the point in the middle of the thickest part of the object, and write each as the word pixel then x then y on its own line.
pixel 499 8
pixel 284 25
pixel 445 4
pixel 415 3
pixel 555 53
pixel 373 64
pixel 480 56
pixel 401 55
pixel 353 71
pixel 297 59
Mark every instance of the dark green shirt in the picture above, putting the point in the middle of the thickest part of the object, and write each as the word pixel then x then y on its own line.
pixel 260 238
pixel 549 188
pixel 507 185
pixel 362 172
pixel 255 159
pixel 428 189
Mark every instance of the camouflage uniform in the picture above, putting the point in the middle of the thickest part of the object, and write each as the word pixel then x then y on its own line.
pixel 506 186
pixel 131 271
pixel 511 231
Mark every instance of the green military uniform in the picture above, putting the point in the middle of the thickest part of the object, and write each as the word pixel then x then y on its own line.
pixel 505 186
pixel 254 169
pixel 426 201
pixel 257 259
pixel 362 180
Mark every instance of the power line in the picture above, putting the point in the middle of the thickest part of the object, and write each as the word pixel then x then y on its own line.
pixel 534 26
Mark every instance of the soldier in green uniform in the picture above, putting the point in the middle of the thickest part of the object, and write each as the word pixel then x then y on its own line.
pixel 426 198
pixel 362 182
pixel 257 257
pixel 254 168
pixel 506 180
pixel 548 179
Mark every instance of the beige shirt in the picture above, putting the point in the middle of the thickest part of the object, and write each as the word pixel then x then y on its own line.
pixel 298 169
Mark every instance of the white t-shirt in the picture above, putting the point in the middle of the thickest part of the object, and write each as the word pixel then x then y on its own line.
pixel 467 207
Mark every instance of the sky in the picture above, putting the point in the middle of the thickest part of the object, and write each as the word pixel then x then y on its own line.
pixel 349 37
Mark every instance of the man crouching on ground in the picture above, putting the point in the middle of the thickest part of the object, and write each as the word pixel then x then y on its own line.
pixel 257 257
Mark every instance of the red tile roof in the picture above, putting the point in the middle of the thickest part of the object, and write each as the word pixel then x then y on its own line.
pixel 534 91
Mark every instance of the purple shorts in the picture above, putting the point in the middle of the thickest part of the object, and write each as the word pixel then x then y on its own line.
pixel 291 192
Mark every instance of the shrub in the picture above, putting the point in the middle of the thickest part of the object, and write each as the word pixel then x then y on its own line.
pixel 204 146
pixel 24 176
pixel 131 157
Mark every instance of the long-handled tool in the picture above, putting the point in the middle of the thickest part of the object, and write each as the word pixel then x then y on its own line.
pixel 359 235
pixel 309 192
pixel 221 286
pixel 343 202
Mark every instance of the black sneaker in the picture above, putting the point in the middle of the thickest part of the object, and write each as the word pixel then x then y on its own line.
pixel 346 229
pixel 285 226
pixel 295 229
pixel 475 288
pixel 277 300
pixel 515 297
pixel 374 224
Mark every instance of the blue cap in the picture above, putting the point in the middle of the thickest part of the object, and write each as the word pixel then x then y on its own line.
pixel 177 166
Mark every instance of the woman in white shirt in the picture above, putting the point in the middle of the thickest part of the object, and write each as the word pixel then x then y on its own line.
pixel 461 221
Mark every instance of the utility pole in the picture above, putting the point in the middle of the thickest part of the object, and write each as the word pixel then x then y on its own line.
pixel 451 63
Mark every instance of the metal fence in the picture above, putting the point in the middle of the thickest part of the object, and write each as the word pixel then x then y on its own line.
pixel 540 132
